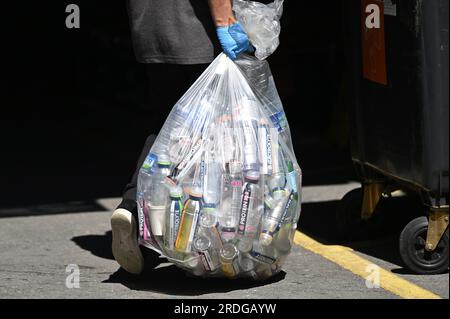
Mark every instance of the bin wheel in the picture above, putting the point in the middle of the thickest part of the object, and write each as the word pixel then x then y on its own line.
pixel 348 215
pixel 415 256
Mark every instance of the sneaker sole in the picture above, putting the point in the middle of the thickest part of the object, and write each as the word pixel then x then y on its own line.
pixel 125 247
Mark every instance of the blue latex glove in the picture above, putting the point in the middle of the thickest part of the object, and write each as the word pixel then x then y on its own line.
pixel 234 40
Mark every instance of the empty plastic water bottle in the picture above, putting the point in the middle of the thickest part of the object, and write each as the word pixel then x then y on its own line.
pixel 212 184
pixel 247 267
pixel 189 221
pixel 265 255
pixel 282 240
pixel 173 222
pixel 179 171
pixel 157 194
pixel 144 182
pixel 208 227
pixel 228 258
pixel 271 222
pixel 268 148
pixel 248 117
pixel 292 178
pixel 245 245
pixel 277 184
pixel 227 145
pixel 230 216
pixel 208 254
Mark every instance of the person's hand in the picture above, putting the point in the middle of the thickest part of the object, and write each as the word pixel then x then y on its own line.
pixel 233 40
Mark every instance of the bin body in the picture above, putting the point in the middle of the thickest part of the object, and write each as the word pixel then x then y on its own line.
pixel 399 80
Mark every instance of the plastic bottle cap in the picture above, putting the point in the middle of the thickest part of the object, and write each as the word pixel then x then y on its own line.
pixel 208 207
pixel 164 161
pixel 247 264
pixel 280 194
pixel 235 167
pixel 202 243
pixel 208 220
pixel 228 252
pixel 278 180
pixel 195 192
pixel 265 239
pixel 176 192
pixel 252 176
pixel 245 246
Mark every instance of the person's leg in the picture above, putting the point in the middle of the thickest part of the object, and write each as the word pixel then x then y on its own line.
pixel 167 84
pixel 125 246
pixel 129 192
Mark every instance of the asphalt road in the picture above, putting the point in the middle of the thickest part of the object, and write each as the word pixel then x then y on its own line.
pixel 36 250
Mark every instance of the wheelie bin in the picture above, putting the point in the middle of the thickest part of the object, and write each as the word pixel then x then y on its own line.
pixel 398 52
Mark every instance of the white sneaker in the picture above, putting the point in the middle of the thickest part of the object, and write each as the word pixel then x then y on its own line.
pixel 125 247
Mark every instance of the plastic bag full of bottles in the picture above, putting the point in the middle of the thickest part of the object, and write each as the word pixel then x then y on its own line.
pixel 219 194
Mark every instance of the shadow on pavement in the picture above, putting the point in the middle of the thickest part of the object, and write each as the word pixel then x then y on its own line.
pixel 174 281
pixel 98 245
pixel 405 271
pixel 377 237
pixel 161 277
pixel 52 209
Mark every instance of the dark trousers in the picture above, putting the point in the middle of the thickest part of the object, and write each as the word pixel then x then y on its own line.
pixel 167 84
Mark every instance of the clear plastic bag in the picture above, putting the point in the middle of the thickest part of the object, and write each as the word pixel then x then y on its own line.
pixel 220 191
pixel 261 23
pixel 219 194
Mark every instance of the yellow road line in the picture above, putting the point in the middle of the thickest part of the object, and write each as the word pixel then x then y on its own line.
pixel 347 259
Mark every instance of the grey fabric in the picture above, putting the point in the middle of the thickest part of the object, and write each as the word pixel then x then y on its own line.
pixel 172 31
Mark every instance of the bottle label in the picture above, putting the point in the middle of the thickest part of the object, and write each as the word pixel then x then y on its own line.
pixel 292 177
pixel 265 149
pixel 141 206
pixel 150 161
pixel 279 121
pixel 228 145
pixel 246 195
pixel 175 219
pixel 203 173
pixel 248 110
pixel 182 165
pixel 286 210
pixel 269 152
pixel 207 261
pixel 177 213
pixel 263 258
pixel 250 148
pixel 193 227
pixel 236 183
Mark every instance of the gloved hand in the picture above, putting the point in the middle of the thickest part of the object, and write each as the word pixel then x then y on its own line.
pixel 234 40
